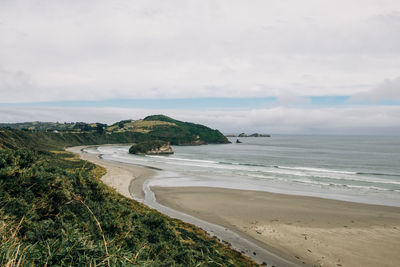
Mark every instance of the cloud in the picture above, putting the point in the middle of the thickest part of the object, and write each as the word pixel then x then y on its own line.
pixel 290 99
pixel 98 49
pixel 102 50
pixel 388 90
pixel 15 81
pixel 382 120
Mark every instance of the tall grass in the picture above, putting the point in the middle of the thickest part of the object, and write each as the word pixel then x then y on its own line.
pixel 11 248
pixel 54 210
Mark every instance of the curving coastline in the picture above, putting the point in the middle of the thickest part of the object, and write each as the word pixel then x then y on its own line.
pixel 126 179
pixel 301 229
pixel 130 181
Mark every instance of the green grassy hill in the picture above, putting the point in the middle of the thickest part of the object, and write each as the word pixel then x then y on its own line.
pixel 185 132
pixel 55 211
pixel 157 127
pixel 55 126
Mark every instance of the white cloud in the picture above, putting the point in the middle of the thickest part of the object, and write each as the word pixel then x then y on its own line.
pixel 360 120
pixel 97 49
pixel 388 90
pixel 17 79
pixel 289 99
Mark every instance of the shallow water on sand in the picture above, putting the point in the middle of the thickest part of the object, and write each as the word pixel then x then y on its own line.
pixel 354 168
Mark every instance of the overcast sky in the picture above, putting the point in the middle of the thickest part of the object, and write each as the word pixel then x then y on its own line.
pixel 314 66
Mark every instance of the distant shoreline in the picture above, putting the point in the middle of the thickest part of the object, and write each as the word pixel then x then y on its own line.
pixel 290 226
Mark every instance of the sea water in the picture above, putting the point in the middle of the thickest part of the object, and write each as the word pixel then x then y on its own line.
pixel 362 169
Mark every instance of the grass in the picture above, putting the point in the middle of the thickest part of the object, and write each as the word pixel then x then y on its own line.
pixel 11 249
pixel 156 127
pixel 140 126
pixel 55 211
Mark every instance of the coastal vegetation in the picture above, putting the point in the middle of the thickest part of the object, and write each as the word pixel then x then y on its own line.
pixel 54 210
pixel 156 127
pixel 151 147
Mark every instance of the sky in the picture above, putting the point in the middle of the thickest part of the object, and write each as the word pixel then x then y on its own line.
pixel 270 66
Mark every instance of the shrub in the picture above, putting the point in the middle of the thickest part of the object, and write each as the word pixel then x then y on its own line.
pixel 146 146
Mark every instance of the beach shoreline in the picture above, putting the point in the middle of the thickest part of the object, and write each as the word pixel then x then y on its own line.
pixel 316 231
pixel 309 231
pixel 126 179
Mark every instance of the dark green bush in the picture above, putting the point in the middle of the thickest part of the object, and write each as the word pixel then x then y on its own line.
pixel 144 147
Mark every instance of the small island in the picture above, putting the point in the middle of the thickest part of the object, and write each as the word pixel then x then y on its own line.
pixel 259 135
pixel 154 147
pixel 246 135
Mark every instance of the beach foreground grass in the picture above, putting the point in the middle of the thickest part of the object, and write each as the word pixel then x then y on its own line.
pixel 56 211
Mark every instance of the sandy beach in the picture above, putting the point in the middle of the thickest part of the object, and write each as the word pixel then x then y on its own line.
pixel 126 179
pixel 307 230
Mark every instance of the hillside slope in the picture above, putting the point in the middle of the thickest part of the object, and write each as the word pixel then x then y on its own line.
pixel 156 127
pixel 56 211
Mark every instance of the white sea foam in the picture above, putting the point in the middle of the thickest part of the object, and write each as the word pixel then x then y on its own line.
pixel 169 158
pixel 352 177
pixel 315 170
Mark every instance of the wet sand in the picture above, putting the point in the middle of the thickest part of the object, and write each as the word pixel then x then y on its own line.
pixel 308 230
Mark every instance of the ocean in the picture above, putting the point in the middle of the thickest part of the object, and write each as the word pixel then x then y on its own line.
pixel 363 169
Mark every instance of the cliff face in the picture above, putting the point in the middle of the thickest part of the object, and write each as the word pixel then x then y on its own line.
pixel 162 150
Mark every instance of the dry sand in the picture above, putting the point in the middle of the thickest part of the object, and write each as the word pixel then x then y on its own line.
pixel 124 178
pixel 318 232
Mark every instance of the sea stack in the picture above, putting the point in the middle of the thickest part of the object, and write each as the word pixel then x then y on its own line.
pixel 155 147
